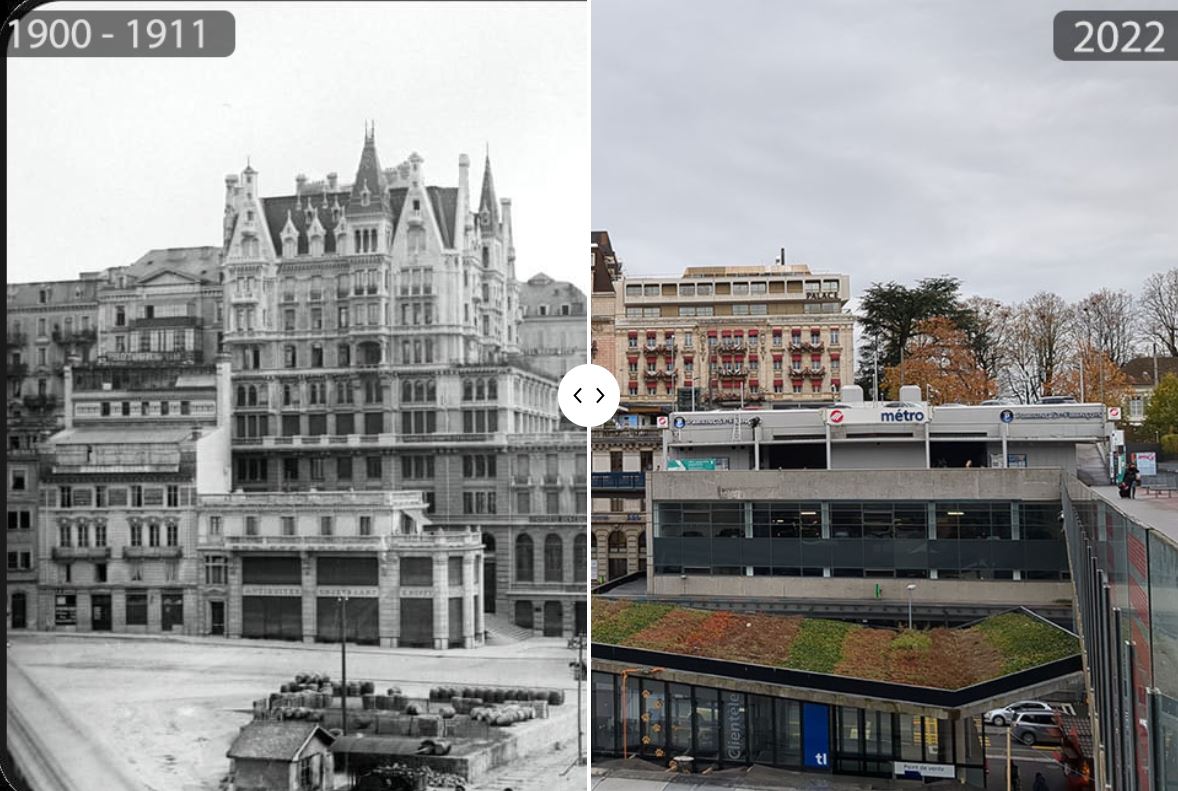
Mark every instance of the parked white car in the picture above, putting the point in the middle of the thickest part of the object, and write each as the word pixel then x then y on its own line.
pixel 1005 715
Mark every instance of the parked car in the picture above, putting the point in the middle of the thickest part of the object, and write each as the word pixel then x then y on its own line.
pixel 1006 714
pixel 1037 727
pixel 1057 400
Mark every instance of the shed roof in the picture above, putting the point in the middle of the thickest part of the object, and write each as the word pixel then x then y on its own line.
pixel 276 740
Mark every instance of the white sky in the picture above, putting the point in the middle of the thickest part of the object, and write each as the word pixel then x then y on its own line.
pixel 887 140
pixel 108 158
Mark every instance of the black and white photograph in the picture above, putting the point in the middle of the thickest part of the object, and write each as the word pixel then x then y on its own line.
pixel 291 288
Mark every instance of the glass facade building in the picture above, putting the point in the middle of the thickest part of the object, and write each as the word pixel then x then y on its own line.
pixel 978 540
pixel 659 720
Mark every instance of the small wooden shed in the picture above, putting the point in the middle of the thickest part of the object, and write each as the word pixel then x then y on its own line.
pixel 288 755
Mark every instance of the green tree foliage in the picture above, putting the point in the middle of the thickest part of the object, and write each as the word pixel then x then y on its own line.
pixel 890 313
pixel 1161 413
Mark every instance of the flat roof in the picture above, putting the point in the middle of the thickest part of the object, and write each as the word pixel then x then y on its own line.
pixel 127 435
pixel 940 658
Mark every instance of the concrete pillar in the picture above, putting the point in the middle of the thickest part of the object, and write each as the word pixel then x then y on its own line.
pixel 233 614
pixel 118 610
pixel 193 612
pixel 84 624
pixel 310 623
pixel 468 594
pixel 389 609
pixel 154 611
pixel 441 601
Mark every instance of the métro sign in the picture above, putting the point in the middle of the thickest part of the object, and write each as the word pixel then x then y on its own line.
pixel 909 414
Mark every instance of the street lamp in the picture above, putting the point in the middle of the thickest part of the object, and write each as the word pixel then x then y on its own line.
pixel 911 587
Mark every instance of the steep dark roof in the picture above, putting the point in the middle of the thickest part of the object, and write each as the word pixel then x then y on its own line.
pixel 275 740
pixel 198 263
pixel 1140 369
pixel 276 209
pixel 444 201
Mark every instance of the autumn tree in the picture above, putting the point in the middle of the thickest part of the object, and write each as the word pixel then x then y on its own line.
pixel 1106 321
pixel 1161 413
pixel 889 314
pixel 1159 309
pixel 1038 346
pixel 1102 379
pixel 986 322
pixel 940 360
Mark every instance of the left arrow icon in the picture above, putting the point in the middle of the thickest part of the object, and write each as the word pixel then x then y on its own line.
pixel 577 395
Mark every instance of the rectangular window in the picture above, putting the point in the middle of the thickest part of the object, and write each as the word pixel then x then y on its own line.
pixel 100 572
pixel 251 525
pixel 65 609
pixel 214 525
pixel 366 525
pixel 343 468
pixel 136 609
pixel 373 467
pixel 316 468
pixel 288 525
pixel 173 535
pixel 173 496
pixel 325 526
pixel 216 570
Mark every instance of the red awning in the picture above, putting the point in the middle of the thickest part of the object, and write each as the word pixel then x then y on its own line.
pixel 836 383
pixel 777 357
pixel 688 358
pixel 777 330
pixel 687 382
pixel 650 334
pixel 753 333
pixel 795 331
pixel 816 330
pixel 796 356
pixel 816 358
pixel 753 383
pixel 633 333
pixel 834 355
pixel 753 358
pixel 797 381
pixel 726 333
pixel 712 333
pixel 778 381
pixel 726 358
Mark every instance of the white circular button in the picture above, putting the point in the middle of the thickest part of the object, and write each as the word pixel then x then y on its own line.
pixel 588 395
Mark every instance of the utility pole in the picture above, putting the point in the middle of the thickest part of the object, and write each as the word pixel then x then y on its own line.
pixel 343 658
pixel 578 642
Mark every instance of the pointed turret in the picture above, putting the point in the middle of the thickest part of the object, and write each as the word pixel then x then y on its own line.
pixel 488 203
pixel 370 189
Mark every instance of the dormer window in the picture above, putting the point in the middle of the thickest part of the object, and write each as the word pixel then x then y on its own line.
pixel 365 195
pixel 416 205
pixel 249 216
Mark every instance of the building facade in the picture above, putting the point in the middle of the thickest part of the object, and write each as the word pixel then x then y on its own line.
pixel 1144 375
pixel 552 331
pixel 374 329
pixel 117 532
pixel 728 336
pixel 278 565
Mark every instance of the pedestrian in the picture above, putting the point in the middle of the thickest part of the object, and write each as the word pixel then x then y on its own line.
pixel 1132 477
pixel 1040 783
pixel 969 462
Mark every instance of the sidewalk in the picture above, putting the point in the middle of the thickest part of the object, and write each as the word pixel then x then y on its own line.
pixel 551 647
pixel 616 775
pixel 1158 512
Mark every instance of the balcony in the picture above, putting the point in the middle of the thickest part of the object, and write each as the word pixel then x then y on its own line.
pixel 624 481
pixel 813 346
pixel 40 403
pixel 16 371
pixel 158 322
pixel 551 479
pixel 185 357
pixel 17 339
pixel 410 541
pixel 80 553
pixel 730 347
pixel 152 553
pixel 521 480
pixel 813 373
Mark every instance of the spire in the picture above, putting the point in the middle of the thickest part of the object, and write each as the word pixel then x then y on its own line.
pixel 488 203
pixel 369 175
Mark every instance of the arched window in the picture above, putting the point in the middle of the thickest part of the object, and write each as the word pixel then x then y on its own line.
pixel 553 558
pixel 617 540
pixel 467 390
pixel 253 395
pixel 525 561
pixel 488 544
pixel 419 391
pixel 431 391
pixel 579 557
pixel 240 395
pixel 486 256
pixel 492 389
pixel 406 391
pixel 480 390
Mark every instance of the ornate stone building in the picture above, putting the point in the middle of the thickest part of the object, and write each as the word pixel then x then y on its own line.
pixel 374 333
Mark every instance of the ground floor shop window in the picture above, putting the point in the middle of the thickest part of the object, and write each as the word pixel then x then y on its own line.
pixel 136 609
pixel 65 612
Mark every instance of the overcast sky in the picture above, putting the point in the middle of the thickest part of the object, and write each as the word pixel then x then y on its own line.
pixel 888 140
pixel 108 158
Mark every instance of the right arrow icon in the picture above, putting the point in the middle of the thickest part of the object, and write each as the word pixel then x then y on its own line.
pixel 600 395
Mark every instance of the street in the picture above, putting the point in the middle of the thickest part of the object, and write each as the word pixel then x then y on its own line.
pixel 158 714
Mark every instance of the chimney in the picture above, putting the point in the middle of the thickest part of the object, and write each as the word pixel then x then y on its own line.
pixel 300 183
pixel 333 181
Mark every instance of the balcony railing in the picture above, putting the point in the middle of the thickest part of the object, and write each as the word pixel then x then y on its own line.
pixel 40 403
pixel 16 371
pixel 814 373
pixel 164 321
pixel 631 481
pixel 17 339
pixel 80 553
pixel 521 480
pixel 75 337
pixel 152 553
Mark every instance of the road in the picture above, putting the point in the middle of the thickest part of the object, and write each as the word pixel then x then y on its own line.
pixel 151 713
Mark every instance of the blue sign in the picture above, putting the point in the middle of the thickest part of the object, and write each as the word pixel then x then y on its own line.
pixel 680 422
pixel 1006 416
pixel 816 736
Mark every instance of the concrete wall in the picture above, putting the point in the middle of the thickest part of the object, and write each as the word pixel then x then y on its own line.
pixel 877 456
pixel 859 485
pixel 893 590
pixel 261 775
pixel 214 472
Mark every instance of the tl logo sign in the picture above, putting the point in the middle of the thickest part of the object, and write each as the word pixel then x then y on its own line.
pixel 836 416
